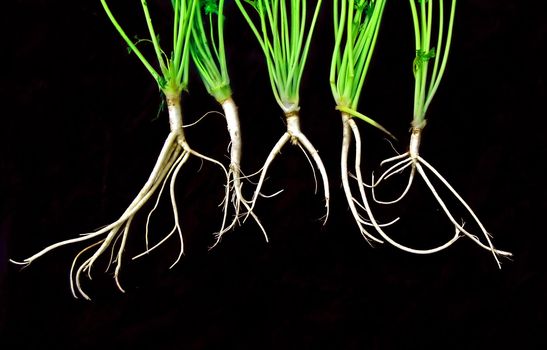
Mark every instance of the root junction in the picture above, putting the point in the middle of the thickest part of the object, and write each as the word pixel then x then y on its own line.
pixel 296 137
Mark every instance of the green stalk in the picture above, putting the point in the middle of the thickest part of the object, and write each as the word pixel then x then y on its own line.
pixel 173 78
pixel 285 40
pixel 426 83
pixel 130 43
pixel 208 56
pixel 153 36
pixel 356 28
pixel 366 45
pixel 182 50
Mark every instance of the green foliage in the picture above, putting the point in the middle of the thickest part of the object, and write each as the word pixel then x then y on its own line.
pixel 426 81
pixel 356 27
pixel 421 58
pixel 170 72
pixel 210 6
pixel 282 30
pixel 207 49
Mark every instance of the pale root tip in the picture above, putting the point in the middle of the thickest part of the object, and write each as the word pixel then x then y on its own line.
pixel 20 263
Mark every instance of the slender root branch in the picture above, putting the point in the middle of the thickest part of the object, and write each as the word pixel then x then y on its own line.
pixel 486 235
pixel 311 166
pixel 74 261
pixel 120 253
pixel 307 145
pixel 367 222
pixel 273 153
pixel 164 182
pixel 388 239
pixel 394 158
pixel 388 173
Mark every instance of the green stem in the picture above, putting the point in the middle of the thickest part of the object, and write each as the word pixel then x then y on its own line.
pixel 336 62
pixel 130 43
pixel 426 84
pixel 368 48
pixel 153 37
pixel 208 52
pixel 438 78
pixel 285 36
pixel 182 52
pixel 174 69
pixel 356 28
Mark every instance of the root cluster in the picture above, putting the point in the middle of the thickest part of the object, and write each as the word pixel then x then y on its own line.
pixel 395 165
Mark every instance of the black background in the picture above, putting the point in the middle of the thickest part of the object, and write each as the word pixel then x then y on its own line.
pixel 79 135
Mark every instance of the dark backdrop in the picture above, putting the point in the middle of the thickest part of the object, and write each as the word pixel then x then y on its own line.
pixel 80 132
